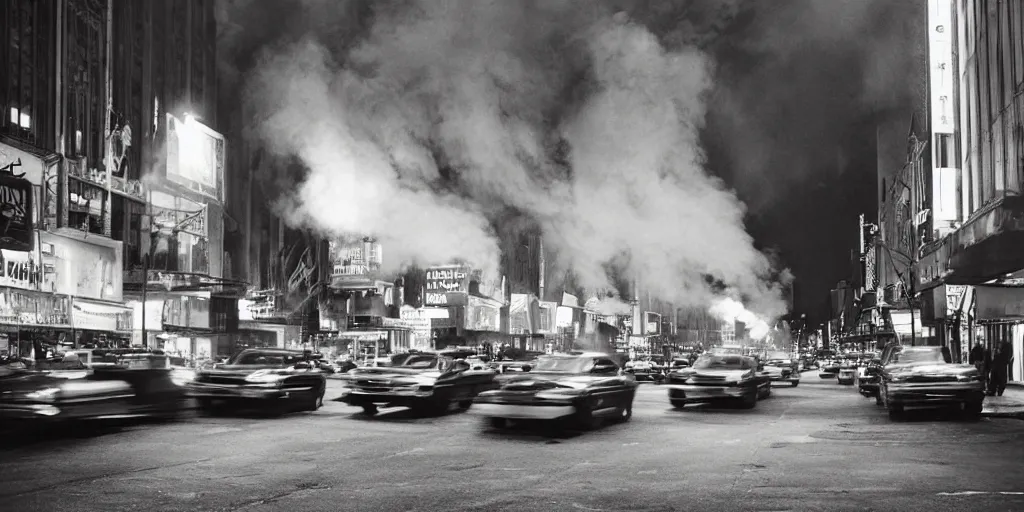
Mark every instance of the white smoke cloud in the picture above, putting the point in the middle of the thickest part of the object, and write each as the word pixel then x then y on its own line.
pixel 487 85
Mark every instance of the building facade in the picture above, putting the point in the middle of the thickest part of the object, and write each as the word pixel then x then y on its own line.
pixel 970 276
pixel 112 109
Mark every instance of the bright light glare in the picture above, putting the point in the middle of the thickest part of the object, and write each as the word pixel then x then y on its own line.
pixel 20 118
pixel 14 115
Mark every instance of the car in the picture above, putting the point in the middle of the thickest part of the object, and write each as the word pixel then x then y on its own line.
pixel 644 370
pixel 828 368
pixel 782 367
pixel 424 382
pixel 274 378
pixel 923 377
pixel 583 388
pixel 847 370
pixel 719 378
pixel 135 384
pixel 868 376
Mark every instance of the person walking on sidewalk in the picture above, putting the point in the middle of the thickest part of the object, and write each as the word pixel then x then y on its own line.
pixel 977 357
pixel 1000 369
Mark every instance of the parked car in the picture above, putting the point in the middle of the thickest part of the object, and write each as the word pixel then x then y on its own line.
pixel 584 387
pixel 719 378
pixel 262 377
pixel 782 367
pixel 868 376
pixel 923 377
pixel 427 383
pixel 828 368
pixel 644 371
pixel 848 369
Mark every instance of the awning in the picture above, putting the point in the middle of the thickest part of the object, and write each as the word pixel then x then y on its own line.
pixel 94 315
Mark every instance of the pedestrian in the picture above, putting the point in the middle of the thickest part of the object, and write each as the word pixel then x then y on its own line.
pixel 1001 368
pixel 986 370
pixel 977 357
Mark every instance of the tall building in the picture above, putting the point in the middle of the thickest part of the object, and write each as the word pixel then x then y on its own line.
pixel 110 114
pixel 972 271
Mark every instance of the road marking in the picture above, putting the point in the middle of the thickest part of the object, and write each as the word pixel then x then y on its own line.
pixel 975 493
pixel 648 472
pixel 630 444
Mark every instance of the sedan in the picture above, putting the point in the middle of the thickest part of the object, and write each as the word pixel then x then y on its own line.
pixel 584 388
pixel 921 377
pixel 272 378
pixel 716 379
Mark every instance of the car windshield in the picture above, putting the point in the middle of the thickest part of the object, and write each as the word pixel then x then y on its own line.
pixel 772 356
pixel 258 357
pixel 721 351
pixel 908 355
pixel 419 361
pixel 562 364
pixel 722 363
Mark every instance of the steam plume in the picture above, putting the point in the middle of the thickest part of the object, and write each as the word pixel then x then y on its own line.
pixel 446 113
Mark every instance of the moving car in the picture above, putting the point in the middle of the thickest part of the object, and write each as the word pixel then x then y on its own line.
pixel 828 368
pixel 719 378
pixel 136 384
pixel 584 387
pixel 922 377
pixel 427 383
pixel 782 367
pixel 264 377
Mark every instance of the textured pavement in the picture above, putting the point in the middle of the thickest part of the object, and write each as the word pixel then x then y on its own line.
pixel 820 446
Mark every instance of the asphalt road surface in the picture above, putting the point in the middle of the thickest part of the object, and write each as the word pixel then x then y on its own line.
pixel 819 446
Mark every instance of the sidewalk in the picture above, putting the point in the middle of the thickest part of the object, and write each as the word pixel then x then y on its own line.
pixel 1011 404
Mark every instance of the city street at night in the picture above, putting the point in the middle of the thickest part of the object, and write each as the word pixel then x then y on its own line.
pixel 819 446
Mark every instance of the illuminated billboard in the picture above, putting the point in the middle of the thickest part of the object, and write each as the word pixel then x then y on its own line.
pixel 195 157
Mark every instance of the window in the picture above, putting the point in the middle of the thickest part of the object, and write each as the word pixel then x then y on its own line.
pixel 1017 38
pixel 126 227
pixel 944 152
pixel 83 79
pixel 27 58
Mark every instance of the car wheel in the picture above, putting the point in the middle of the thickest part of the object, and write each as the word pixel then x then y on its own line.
pixel 795 383
pixel 895 411
pixel 497 423
pixel 749 401
pixel 317 402
pixel 677 403
pixel 972 410
pixel 625 413
pixel 586 420
pixel 465 404
pixel 370 410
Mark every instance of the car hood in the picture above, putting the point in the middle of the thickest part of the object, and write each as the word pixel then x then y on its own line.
pixel 395 375
pixel 240 370
pixel 940 369
pixel 539 381
pixel 713 373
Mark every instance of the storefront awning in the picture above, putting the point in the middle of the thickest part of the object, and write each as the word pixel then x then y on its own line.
pixel 94 315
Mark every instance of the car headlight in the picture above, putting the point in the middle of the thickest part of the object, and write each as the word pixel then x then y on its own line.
pixel 265 376
pixel 897 378
pixel 559 394
pixel 968 378
pixel 44 395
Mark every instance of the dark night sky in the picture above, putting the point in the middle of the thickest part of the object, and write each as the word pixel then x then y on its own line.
pixel 801 87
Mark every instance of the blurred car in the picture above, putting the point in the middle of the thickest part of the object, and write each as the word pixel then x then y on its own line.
pixel 138 385
pixel 848 370
pixel 262 377
pixel 427 383
pixel 828 368
pixel 719 378
pixel 644 371
pixel 585 388
pixel 782 367
pixel 677 364
pixel 922 377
